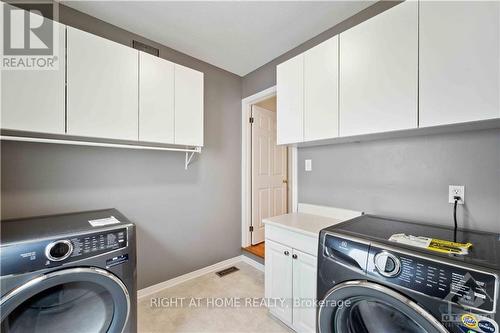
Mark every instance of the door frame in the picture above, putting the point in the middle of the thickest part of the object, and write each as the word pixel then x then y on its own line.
pixel 246 165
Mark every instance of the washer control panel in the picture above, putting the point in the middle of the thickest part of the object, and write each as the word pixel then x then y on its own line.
pixel 437 279
pixel 37 255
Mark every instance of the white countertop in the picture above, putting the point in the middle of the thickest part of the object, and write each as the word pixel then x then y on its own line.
pixel 307 224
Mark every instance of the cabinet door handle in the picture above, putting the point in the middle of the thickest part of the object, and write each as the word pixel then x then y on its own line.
pixel 286 253
pixel 294 256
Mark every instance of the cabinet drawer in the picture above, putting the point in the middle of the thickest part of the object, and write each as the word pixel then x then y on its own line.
pixel 296 240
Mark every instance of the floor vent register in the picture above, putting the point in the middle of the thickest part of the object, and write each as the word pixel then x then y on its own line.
pixel 227 271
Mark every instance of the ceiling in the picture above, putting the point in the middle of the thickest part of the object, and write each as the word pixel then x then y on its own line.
pixel 237 36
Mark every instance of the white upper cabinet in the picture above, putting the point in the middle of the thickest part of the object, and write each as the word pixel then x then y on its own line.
pixel 33 100
pixel 188 106
pixel 321 74
pixel 156 99
pixel 102 91
pixel 459 61
pixel 378 72
pixel 290 100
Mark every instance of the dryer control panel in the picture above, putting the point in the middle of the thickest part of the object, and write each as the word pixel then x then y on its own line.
pixel 93 244
pixel 37 255
pixel 468 287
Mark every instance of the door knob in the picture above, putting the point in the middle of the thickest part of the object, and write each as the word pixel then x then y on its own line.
pixel 285 181
pixel 294 256
pixel 286 253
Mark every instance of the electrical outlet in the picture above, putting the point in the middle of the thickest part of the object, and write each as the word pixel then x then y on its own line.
pixel 308 165
pixel 456 190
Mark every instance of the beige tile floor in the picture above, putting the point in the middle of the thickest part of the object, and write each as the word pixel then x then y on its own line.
pixel 246 284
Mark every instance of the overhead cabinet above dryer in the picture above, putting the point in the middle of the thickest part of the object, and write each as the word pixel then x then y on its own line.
pixel 307 89
pixel 379 73
pixel 107 91
pixel 418 64
pixel 33 100
pixel 156 99
pixel 188 106
pixel 459 61
pixel 170 102
pixel 102 87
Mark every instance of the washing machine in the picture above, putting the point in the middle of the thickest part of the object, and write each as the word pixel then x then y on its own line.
pixel 68 273
pixel 367 283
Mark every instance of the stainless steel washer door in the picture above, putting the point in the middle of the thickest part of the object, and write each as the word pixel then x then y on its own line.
pixel 69 300
pixel 367 307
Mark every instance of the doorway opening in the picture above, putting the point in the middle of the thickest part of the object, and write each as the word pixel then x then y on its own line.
pixel 268 170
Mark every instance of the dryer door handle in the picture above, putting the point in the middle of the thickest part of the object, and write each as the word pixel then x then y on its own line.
pixel 341 257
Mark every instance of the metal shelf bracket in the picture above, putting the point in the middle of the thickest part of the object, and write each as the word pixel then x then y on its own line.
pixel 189 156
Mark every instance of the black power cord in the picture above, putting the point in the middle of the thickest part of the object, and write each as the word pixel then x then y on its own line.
pixel 457 199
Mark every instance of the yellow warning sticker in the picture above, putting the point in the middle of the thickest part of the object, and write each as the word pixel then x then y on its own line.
pixel 432 244
pixel 448 247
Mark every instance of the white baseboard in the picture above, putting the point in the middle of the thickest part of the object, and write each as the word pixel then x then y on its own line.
pixel 253 263
pixel 202 271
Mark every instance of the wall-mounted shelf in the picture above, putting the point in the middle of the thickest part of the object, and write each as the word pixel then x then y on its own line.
pixel 190 151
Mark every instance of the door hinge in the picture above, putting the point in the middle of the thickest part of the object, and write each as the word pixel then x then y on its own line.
pixel 251 228
pixel 251 120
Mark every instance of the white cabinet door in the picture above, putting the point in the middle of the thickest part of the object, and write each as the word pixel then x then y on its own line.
pixel 278 279
pixel 378 72
pixel 290 100
pixel 33 100
pixel 459 61
pixel 188 106
pixel 102 91
pixel 304 291
pixel 321 74
pixel 156 99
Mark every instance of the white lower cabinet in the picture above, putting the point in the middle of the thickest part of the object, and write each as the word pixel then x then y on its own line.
pixel 290 282
pixel 278 279
pixel 304 291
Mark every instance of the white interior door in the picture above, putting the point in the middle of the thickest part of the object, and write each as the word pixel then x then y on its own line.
pixel 269 172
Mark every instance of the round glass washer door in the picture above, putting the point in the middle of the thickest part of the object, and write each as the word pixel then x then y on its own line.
pixel 367 307
pixel 69 300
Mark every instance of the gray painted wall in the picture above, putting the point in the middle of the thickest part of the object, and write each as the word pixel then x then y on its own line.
pixel 405 177
pixel 409 177
pixel 185 219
